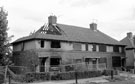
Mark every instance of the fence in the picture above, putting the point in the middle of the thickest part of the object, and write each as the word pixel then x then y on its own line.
pixel 20 73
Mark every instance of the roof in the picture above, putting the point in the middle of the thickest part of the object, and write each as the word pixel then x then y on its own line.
pixel 73 33
pixel 129 42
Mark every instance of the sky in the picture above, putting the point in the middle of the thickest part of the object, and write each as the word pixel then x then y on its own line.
pixel 113 17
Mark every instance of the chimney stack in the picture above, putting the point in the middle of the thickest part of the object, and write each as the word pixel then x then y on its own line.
pixel 129 35
pixel 93 26
pixel 52 20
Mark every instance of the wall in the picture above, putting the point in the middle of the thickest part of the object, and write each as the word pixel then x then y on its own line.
pixel 46 44
pixel 130 57
pixel 66 46
pixel 17 47
pixel 27 45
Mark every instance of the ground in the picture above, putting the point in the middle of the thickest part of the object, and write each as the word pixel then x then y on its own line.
pixel 122 78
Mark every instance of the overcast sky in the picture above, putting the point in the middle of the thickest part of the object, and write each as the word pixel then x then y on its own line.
pixel 114 17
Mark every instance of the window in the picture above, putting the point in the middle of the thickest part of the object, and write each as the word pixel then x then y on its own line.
pixel 55 44
pixel 120 49
pixel 42 44
pixel 77 46
pixel 102 48
pixel 94 47
pixel 90 47
pixel 115 48
pixel 116 61
pixel 109 49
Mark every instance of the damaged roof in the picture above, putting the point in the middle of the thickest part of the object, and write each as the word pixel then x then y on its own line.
pixel 71 33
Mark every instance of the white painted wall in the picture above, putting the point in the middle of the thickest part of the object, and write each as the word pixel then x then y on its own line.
pixel 83 47
pixel 29 45
pixel 46 44
pixel 17 47
pixel 66 46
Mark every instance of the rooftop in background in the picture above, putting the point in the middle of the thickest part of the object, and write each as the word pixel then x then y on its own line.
pixel 129 40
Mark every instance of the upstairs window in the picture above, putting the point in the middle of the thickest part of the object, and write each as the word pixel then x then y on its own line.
pixel 77 46
pixel 55 44
pixel 102 48
pixel 94 47
pixel 90 47
pixel 116 48
pixel 109 49
pixel 42 44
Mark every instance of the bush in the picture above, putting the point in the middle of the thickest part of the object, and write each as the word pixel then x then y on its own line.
pixel 1 78
pixel 108 72
pixel 30 77
pixel 71 75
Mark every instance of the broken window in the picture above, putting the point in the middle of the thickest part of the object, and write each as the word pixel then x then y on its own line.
pixel 55 44
pixel 42 44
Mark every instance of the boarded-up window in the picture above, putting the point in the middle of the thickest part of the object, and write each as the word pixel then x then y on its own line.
pixel 90 47
pixel 102 48
pixel 109 49
pixel 77 46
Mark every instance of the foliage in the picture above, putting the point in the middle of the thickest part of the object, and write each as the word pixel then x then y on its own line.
pixel 31 77
pixel 5 51
pixel 28 58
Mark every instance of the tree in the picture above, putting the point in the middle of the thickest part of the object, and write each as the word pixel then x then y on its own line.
pixel 4 44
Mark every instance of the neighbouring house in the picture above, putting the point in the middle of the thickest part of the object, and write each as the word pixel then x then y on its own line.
pixel 129 40
pixel 59 44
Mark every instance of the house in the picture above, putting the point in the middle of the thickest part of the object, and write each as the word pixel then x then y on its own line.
pixel 129 40
pixel 58 44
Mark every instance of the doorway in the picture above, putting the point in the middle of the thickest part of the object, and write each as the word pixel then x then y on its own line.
pixel 43 63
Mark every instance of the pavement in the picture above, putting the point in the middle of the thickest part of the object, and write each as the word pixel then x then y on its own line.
pixel 80 81
pixel 129 79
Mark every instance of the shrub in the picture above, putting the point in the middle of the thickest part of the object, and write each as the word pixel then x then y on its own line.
pixel 1 78
pixel 30 77
pixel 108 72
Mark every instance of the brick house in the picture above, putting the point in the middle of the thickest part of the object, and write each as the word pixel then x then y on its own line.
pixel 57 44
pixel 129 40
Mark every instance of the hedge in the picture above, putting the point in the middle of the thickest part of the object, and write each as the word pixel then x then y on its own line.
pixel 30 77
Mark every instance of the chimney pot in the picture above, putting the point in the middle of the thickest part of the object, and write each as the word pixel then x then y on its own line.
pixel 93 26
pixel 129 35
pixel 52 20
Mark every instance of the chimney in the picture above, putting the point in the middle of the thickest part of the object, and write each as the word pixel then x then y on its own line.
pixel 93 26
pixel 52 19
pixel 129 35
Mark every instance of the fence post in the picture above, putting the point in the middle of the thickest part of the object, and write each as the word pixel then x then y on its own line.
pixel 111 74
pixel 76 80
pixel 9 79
pixel 6 68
